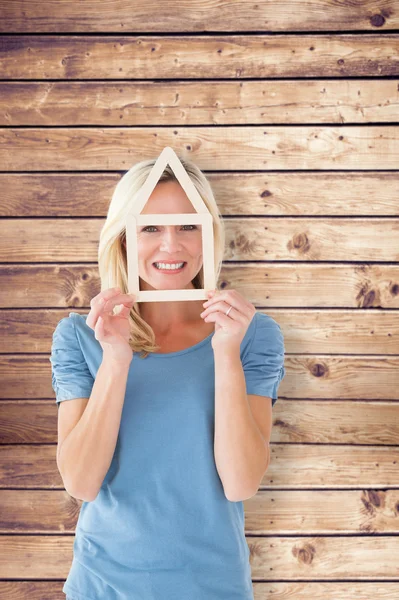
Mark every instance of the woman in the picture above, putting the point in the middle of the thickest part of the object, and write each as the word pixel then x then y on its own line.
pixel 161 480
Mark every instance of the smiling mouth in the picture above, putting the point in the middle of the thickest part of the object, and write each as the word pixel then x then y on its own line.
pixel 170 270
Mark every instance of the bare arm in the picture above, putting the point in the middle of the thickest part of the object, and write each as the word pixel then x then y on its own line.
pixel 241 455
pixel 86 453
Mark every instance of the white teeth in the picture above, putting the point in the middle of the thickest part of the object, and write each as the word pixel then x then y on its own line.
pixel 169 266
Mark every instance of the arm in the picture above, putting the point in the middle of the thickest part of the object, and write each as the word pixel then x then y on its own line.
pixel 86 453
pixel 241 454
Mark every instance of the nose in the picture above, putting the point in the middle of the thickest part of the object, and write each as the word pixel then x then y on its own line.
pixel 170 240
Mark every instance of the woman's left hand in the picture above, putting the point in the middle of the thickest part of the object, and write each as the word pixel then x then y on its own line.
pixel 229 329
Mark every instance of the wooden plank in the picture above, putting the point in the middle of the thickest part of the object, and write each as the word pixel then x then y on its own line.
pixel 269 512
pixel 25 331
pixel 292 466
pixel 141 15
pixel 185 103
pixel 35 589
pixel 307 376
pixel 265 285
pixel 336 422
pixel 294 421
pixel 210 57
pixel 327 331
pixel 272 558
pixel 291 239
pixel 270 194
pixel 320 590
pixel 60 194
pixel 366 511
pixel 275 147
pixel 39 511
pixel 327 558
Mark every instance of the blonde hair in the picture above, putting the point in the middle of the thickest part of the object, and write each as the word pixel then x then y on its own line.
pixel 112 260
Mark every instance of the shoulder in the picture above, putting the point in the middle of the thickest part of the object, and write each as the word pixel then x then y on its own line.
pixel 266 333
pixel 65 330
pixel 71 374
pixel 69 329
pixel 263 362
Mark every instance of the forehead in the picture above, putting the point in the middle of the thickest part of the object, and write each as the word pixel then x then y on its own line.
pixel 168 197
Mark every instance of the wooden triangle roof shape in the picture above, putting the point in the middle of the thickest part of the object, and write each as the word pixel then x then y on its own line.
pixel 168 156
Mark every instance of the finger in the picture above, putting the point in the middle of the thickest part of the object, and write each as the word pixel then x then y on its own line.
pixel 222 319
pixel 99 328
pixel 107 294
pixel 223 301
pixel 110 303
pixel 217 309
pixel 219 319
pixel 99 300
pixel 105 304
pixel 125 311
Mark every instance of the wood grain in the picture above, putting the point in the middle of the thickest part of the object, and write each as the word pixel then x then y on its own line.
pixel 289 239
pixel 128 103
pixel 296 194
pixel 313 376
pixel 210 57
pixel 295 421
pixel 294 466
pixel 314 331
pixel 271 284
pixel 272 558
pixel 197 16
pixel 290 109
pixel 271 147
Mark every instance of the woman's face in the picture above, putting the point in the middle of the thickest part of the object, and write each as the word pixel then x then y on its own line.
pixel 168 243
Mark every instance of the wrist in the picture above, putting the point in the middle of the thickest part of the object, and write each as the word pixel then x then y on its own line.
pixel 232 353
pixel 117 361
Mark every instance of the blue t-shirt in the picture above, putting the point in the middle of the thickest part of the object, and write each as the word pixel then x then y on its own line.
pixel 161 527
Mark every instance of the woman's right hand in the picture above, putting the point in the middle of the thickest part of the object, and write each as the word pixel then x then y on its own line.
pixel 112 330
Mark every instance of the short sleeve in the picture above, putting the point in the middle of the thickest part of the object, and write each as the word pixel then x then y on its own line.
pixel 70 374
pixel 263 363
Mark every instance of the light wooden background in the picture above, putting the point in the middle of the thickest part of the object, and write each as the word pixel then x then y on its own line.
pixel 291 108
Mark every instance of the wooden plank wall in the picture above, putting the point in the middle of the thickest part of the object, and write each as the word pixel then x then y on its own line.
pixel 292 109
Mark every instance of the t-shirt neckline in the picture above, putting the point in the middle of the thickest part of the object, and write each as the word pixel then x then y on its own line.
pixel 177 352
pixel 184 351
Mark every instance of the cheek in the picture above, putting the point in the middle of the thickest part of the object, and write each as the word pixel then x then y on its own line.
pixel 144 248
pixel 197 248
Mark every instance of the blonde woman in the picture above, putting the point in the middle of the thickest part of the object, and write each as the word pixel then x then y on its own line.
pixel 164 413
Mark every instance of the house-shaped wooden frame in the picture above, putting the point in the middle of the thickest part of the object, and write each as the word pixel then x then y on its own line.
pixel 135 219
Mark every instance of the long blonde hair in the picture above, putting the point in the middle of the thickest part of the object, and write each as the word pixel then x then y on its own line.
pixel 112 261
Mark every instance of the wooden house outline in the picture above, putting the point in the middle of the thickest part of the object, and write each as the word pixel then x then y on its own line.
pixel 201 217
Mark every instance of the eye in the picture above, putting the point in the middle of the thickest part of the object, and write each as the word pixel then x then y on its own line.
pixel 154 227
